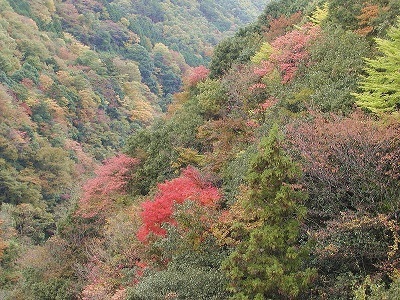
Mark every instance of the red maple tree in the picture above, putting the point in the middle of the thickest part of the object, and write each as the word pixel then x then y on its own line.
pixel 189 186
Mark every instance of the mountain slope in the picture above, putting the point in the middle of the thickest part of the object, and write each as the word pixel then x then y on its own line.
pixel 77 78
pixel 264 179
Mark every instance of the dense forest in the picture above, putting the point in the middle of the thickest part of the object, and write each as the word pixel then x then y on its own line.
pixel 181 149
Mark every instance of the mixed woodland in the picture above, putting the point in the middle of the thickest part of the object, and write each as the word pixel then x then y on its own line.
pixel 181 149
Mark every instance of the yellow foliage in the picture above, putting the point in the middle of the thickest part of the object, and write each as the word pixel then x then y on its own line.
pixel 128 71
pixel 124 21
pixel 262 54
pixel 31 101
pixel 76 46
pixel 57 111
pixel 177 104
pixel 65 78
pixel 143 111
pixel 45 81
pixel 43 9
pixel 50 5
pixel 236 222
pixel 89 103
pixel 320 14
pixel 188 156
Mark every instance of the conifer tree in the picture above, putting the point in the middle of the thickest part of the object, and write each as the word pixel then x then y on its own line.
pixel 381 86
pixel 268 261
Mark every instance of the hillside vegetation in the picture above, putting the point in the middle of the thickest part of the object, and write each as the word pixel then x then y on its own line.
pixel 77 78
pixel 272 173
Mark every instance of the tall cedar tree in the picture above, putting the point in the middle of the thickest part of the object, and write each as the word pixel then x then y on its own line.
pixel 268 262
pixel 381 86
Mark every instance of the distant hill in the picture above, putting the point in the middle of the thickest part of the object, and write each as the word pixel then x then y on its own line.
pixel 81 76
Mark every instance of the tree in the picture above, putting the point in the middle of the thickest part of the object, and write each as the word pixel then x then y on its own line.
pixel 279 26
pixel 189 186
pixel 111 177
pixel 291 50
pixel 196 75
pixel 348 163
pixel 381 87
pixel 268 261
pixel 336 62
pixel 351 171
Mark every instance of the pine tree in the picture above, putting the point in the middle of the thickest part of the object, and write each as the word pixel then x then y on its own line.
pixel 268 261
pixel 381 86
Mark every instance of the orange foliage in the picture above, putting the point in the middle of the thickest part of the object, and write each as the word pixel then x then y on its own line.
pixel 278 27
pixel 224 136
pixel 369 13
pixel 234 224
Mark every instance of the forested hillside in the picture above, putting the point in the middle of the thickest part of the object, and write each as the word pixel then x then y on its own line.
pixel 77 78
pixel 265 168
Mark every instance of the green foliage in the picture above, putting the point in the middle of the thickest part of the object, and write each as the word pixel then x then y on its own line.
pixel 377 290
pixel 332 75
pixel 193 269
pixel 381 85
pixel 368 239
pixel 21 7
pixel 157 147
pixel 52 289
pixel 80 77
pixel 16 191
pixel 267 263
pixel 32 222
pixel 235 50
pixel 182 280
pixel 277 8
pixel 211 97
pixel 344 12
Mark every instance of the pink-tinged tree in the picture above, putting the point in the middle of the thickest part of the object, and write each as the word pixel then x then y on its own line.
pixel 197 74
pixel 289 51
pixel 190 186
pixel 349 162
pixel 112 178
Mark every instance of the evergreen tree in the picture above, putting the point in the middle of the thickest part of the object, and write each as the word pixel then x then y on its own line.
pixel 268 261
pixel 381 86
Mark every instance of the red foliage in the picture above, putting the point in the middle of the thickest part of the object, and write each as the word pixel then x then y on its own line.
pixel 266 67
pixel 189 186
pixel 111 177
pixel 196 75
pixel 291 49
pixel 289 52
